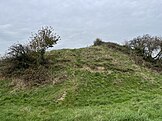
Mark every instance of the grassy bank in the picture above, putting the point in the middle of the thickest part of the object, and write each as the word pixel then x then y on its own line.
pixel 89 84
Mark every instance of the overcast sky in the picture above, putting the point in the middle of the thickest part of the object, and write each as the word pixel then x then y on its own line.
pixel 79 22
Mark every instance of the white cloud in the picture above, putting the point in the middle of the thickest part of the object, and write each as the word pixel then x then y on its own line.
pixel 79 22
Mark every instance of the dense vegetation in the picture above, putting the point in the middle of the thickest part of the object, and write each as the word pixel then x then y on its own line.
pixel 147 48
pixel 104 82
pixel 27 63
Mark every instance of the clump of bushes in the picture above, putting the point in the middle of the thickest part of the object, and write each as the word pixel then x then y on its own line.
pixel 28 62
pixel 147 47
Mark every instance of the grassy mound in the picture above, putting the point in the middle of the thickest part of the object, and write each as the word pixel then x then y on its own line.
pixel 89 84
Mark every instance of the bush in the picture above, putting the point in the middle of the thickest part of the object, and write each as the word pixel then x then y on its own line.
pixel 28 61
pixel 40 42
pixel 149 47
pixel 146 50
pixel 98 42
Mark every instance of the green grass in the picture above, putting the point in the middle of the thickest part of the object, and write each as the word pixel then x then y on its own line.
pixel 89 84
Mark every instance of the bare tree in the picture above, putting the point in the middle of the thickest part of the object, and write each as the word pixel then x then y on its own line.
pixel 150 47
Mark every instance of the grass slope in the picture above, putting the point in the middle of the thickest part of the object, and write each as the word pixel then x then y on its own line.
pixel 89 84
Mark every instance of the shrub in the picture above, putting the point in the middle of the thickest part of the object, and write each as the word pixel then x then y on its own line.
pixel 28 61
pixel 40 42
pixel 149 48
pixel 98 42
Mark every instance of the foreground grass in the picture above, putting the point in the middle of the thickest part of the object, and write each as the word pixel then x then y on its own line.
pixel 90 84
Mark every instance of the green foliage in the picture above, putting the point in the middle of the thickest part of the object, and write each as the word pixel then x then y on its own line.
pixel 106 86
pixel 40 42
pixel 28 61
pixel 102 84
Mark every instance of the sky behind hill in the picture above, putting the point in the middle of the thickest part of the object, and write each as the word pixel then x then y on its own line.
pixel 79 22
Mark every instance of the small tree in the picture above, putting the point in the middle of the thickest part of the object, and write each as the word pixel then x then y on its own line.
pixel 150 47
pixel 40 42
pixel 27 62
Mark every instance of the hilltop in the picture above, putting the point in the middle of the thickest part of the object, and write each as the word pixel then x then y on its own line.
pixel 89 84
